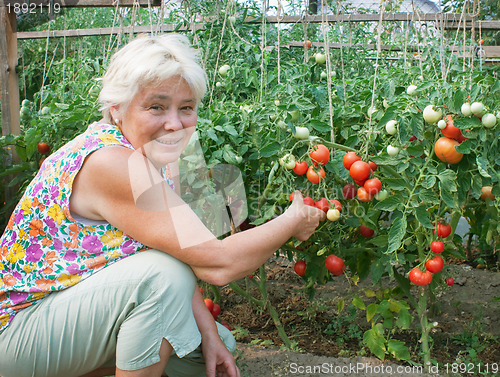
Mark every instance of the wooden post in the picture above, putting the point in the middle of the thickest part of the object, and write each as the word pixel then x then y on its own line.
pixel 9 90
pixel 8 76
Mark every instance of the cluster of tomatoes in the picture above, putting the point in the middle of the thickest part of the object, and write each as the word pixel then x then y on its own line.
pixel 333 263
pixel 320 155
pixel 436 263
pixel 213 308
pixel 360 171
pixel 315 173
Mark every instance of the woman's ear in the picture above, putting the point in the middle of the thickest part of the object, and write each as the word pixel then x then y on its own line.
pixel 114 111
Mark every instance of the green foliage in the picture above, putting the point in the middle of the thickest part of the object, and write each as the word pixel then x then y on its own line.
pixel 249 119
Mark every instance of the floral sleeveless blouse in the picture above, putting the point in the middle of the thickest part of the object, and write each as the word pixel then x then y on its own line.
pixel 44 249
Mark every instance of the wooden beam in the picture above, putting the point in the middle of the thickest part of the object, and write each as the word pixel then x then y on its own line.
pixel 57 4
pixel 106 31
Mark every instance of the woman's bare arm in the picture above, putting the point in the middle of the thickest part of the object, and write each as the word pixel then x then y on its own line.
pixel 158 218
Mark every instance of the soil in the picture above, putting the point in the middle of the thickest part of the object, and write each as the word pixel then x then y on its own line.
pixel 327 343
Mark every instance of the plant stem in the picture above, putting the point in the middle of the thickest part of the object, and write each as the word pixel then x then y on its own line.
pixel 422 304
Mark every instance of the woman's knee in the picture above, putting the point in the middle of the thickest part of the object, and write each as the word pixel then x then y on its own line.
pixel 163 270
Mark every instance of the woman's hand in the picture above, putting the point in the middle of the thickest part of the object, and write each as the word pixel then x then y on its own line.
pixel 218 360
pixel 310 217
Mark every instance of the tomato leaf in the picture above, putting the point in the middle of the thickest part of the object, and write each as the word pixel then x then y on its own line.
pixel 398 349
pixel 395 183
pixel 429 197
pixel 465 147
pixel 423 216
pixel 396 234
pixel 358 303
pixel 404 319
pixel 375 341
pixel 429 181
pixel 371 310
pixel 483 166
pixel 390 203
pixel 271 149
pixel 446 196
pixel 303 103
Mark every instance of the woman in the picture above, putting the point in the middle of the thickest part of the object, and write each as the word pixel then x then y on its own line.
pixel 100 258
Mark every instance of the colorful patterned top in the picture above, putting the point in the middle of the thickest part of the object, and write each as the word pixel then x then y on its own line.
pixel 45 249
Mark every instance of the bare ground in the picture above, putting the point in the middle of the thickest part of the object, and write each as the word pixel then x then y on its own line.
pixel 467 328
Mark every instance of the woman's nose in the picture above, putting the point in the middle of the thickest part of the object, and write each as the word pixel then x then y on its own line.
pixel 172 121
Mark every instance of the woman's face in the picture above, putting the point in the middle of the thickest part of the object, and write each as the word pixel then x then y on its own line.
pixel 160 120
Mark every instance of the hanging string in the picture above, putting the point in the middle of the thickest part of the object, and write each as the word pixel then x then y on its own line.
pixel 218 56
pixel 326 28
pixel 263 47
pixel 455 42
pixel 279 17
pixel 379 49
pixel 339 6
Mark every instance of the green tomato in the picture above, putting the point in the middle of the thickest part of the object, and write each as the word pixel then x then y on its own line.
pixel 288 161
pixel 320 58
pixel 45 110
pixel 301 133
pixel 390 127
pixel 333 214
pixel 466 109
pixel 392 151
pixel 489 120
pixel 432 115
pixel 411 90
pixel 381 195
pixel 295 115
pixel 477 108
pixel 224 70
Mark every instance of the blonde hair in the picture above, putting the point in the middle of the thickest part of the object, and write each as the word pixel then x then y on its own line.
pixel 149 61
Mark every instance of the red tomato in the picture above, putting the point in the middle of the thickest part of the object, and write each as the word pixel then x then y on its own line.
pixel 335 265
pixel 360 183
pixel 300 268
pixel 300 168
pixel 366 232
pixel 437 247
pixel 322 204
pixel 307 44
pixel 450 130
pixel 309 201
pixel 435 264
pixel 373 165
pixel 363 195
pixel 315 176
pixel 320 155
pixel 443 230
pixel 373 186
pixel 349 191
pixel 444 148
pixel 420 278
pixel 360 171
pixel 413 138
pixel 349 159
pixel 43 148
pixel 216 311
pixel 336 204
pixel 450 281
pixel 210 304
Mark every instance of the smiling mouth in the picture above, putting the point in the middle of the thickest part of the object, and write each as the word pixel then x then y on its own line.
pixel 168 142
